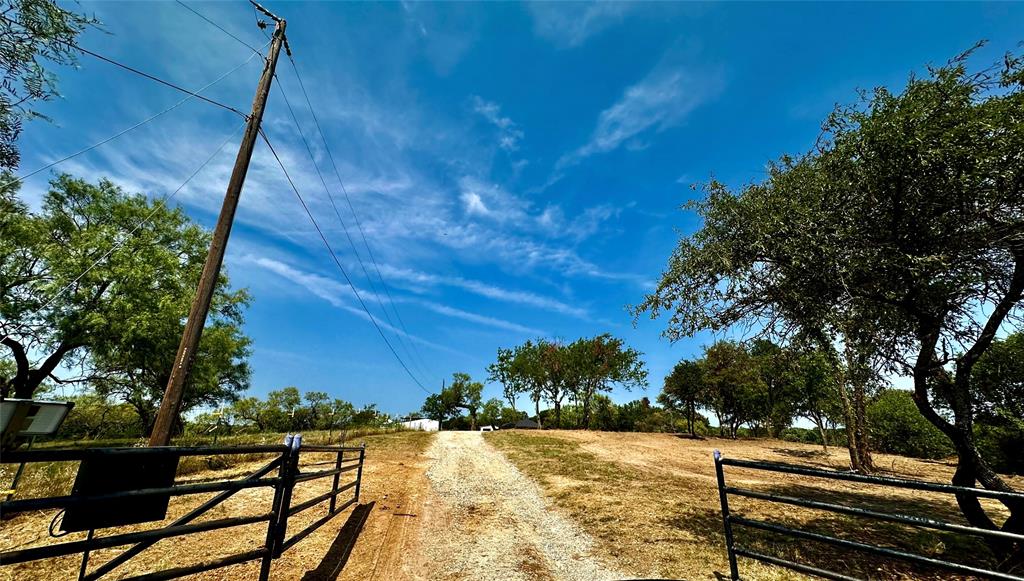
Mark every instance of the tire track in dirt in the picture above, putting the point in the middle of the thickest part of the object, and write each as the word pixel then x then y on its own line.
pixel 498 525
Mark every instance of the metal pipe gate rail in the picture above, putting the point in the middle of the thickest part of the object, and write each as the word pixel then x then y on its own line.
pixel 288 475
pixel 730 520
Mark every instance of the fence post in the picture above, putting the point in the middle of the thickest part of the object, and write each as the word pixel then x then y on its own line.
pixel 271 544
pixel 733 568
pixel 286 497
pixel 337 466
pixel 359 471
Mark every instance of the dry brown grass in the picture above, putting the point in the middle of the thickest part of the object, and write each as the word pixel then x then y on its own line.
pixel 651 502
pixel 386 459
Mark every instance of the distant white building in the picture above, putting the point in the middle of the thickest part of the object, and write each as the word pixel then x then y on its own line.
pixel 424 425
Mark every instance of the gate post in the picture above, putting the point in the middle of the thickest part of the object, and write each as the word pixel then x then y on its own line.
pixel 271 543
pixel 726 521
pixel 359 472
pixel 337 466
pixel 286 497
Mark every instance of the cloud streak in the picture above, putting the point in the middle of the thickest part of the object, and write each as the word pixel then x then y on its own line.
pixel 339 295
pixel 661 100
pixel 570 24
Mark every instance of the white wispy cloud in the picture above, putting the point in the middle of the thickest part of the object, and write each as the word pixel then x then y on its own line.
pixel 661 100
pixel 340 295
pixel 485 290
pixel 509 134
pixel 569 24
pixel 479 319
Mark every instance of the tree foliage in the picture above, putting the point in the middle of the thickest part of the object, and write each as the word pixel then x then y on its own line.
pixel 901 235
pixel 556 371
pixel 897 427
pixel 32 33
pixel 119 321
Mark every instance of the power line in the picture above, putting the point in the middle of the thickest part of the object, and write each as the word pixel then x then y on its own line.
pixel 413 354
pixel 156 207
pixel 219 27
pixel 341 221
pixel 122 132
pixel 159 80
pixel 351 207
pixel 137 71
pixel 339 265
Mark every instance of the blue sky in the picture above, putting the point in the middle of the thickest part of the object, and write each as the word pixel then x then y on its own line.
pixel 517 169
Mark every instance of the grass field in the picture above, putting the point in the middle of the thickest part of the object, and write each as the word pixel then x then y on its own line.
pixel 651 502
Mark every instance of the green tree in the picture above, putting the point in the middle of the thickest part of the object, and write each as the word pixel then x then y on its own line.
pixel 121 320
pixel 319 405
pixel 466 394
pixel 897 427
pixel 251 411
pixel 684 389
pixel 490 413
pixel 778 371
pixel 904 225
pixel 998 380
pixel 998 392
pixel 597 364
pixel 95 416
pixel 528 364
pixel 33 33
pixel 440 407
pixel 734 387
pixel 605 414
pixel 817 391
pixel 506 371
pixel 284 409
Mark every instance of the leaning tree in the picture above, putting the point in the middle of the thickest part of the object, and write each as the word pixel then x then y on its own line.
pixel 900 237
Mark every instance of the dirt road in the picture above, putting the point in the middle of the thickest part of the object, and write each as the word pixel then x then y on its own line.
pixel 490 521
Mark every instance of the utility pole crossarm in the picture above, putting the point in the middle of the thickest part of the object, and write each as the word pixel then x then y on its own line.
pixel 170 406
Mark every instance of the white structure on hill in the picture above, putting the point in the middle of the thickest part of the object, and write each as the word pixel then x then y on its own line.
pixel 423 425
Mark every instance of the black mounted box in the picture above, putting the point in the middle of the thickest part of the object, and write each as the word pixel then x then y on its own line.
pixel 111 473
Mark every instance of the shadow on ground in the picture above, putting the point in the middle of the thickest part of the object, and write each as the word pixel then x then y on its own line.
pixel 337 555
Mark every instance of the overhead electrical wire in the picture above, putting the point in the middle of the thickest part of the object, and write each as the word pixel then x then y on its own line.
pixel 139 72
pixel 337 262
pixel 413 353
pixel 219 27
pixel 127 130
pixel 161 81
pixel 341 221
pixel 351 207
pixel 156 207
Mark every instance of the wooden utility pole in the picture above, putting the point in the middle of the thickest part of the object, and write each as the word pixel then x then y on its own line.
pixel 171 403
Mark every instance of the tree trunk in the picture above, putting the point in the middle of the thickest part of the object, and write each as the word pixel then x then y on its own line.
pixel 587 397
pixel 860 416
pixel 824 435
pixel 558 414
pixel 536 407
pixel 854 412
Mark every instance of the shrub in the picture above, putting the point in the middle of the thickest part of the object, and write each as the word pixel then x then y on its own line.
pixel 897 427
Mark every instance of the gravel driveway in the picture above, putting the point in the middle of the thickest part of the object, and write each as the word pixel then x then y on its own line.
pixel 496 524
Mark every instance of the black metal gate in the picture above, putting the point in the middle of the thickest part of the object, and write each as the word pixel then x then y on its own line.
pixel 736 550
pixel 289 473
